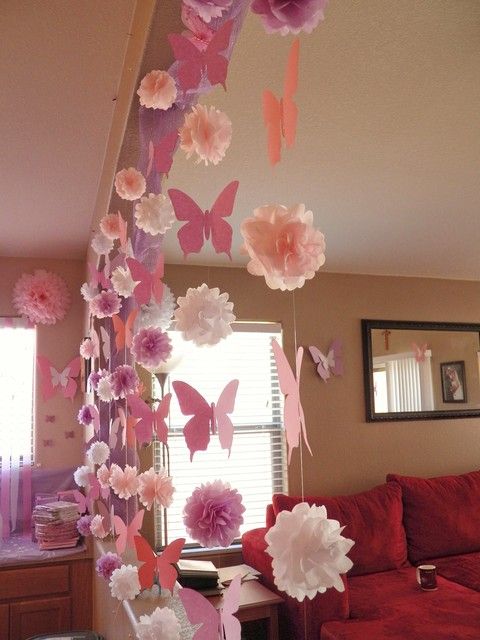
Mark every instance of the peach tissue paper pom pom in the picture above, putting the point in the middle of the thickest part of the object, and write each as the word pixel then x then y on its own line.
pixel 157 90
pixel 162 624
pixel 206 132
pixel 103 476
pixel 96 527
pixel 130 184
pixel 154 214
pixel 42 297
pixel 110 226
pixel 124 482
pixel 155 487
pixel 283 245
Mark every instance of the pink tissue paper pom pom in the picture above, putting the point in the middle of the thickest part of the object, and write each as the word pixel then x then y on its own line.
pixel 150 347
pixel 208 9
pixel 96 527
pixel 124 381
pixel 206 132
pixel 157 90
pixel 86 415
pixel 110 226
pixel 130 184
pixel 83 526
pixel 42 297
pixel 289 16
pixel 107 564
pixel 124 482
pixel 103 476
pixel 88 349
pixel 213 514
pixel 283 245
pixel 95 377
pixel 105 304
pixel 155 487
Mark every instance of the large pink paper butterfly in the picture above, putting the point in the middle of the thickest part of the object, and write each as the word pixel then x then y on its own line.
pixel 160 565
pixel 293 415
pixel 207 418
pixel 149 284
pixel 200 225
pixel 419 351
pixel 126 533
pixel 331 363
pixel 150 420
pixel 160 155
pixel 193 63
pixel 53 381
pixel 216 625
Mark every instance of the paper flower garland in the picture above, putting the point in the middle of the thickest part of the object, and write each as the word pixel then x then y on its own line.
pixel 157 314
pixel 107 564
pixel 213 514
pixel 104 389
pixel 86 415
pixel 81 475
pixel 83 526
pixel 96 527
pixel 157 90
pixel 150 347
pixel 204 315
pixel 154 214
pixel 103 476
pixel 42 297
pixel 101 244
pixel 162 623
pixel 98 453
pixel 289 16
pixel 208 9
pixel 123 381
pixel 124 583
pixel 88 291
pixel 283 245
pixel 124 482
pixel 308 551
pixel 105 304
pixel 110 226
pixel 123 282
pixel 155 487
pixel 130 184
pixel 206 132
pixel 88 349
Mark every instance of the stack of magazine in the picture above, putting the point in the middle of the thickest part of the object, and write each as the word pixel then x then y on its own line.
pixel 201 575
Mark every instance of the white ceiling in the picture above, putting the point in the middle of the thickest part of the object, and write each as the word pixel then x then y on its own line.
pixel 388 146
pixel 60 67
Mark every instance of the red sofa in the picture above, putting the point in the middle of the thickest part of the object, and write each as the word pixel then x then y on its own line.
pixel 395 526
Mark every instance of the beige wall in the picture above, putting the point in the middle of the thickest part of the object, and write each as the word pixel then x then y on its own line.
pixel 350 454
pixel 59 343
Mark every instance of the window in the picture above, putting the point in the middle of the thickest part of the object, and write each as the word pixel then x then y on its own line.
pixel 256 466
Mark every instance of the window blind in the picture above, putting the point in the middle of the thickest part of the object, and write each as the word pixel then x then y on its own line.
pixel 256 466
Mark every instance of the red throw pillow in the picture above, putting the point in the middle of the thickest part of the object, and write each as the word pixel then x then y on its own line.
pixel 441 515
pixel 372 519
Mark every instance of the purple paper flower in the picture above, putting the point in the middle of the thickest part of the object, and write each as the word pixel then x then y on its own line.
pixel 151 346
pixel 95 377
pixel 83 525
pixel 86 415
pixel 213 514
pixel 105 304
pixel 208 9
pixel 107 564
pixel 124 381
pixel 289 16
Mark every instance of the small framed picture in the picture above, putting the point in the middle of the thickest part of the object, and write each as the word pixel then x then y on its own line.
pixel 453 381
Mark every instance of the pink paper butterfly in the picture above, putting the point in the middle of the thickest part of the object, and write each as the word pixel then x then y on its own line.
pixel 150 420
pixel 98 277
pixel 200 34
pixel 69 434
pixel 106 345
pixel 107 515
pixel 122 225
pixel 207 418
pixel 293 415
pixel 95 491
pixel 161 564
pixel 49 418
pixel 200 224
pixel 120 422
pixel 127 533
pixel 193 63
pixel 160 155
pixel 48 443
pixel 328 364
pixel 53 381
pixel 149 284
pixel 124 330
pixel 419 351
pixel 96 342
pixel 222 624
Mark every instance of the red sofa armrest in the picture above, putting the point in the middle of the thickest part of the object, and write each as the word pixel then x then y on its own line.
pixel 331 605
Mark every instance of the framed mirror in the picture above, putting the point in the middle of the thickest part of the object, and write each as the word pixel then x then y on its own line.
pixel 420 370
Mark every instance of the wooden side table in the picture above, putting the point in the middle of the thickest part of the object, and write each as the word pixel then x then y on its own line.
pixel 256 601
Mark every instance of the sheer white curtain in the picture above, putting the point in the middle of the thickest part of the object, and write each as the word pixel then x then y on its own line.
pixel 17 366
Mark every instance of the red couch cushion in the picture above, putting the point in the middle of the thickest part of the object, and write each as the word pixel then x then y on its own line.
pixel 372 519
pixel 464 569
pixel 441 515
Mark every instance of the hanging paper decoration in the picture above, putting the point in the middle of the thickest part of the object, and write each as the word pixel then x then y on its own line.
pixel 105 304
pixel 199 32
pixel 98 452
pixel 130 184
pixel 154 214
pixel 106 564
pixel 194 63
pixel 42 297
pixel 289 16
pixel 157 314
pixel 208 9
pixel 160 155
pixel 308 552
pixel 332 363
pixel 148 420
pixel 204 315
pixel 419 351
pixel 162 623
pixel 83 525
pixel 97 277
pixel 148 284
pixel 160 565
pixel 98 528
pixel 124 583
pixel 213 514
pixel 293 415
pixel 201 224
pixel 103 476
pixel 126 533
pixel 53 381
pixel 110 226
pixel 207 418
pixel 124 482
pixel 124 330
pixel 155 488
pixel 157 90
pixel 151 347
pixel 283 245
pixel 206 132
pixel 101 244
pixel 88 349
pixel 123 381
pixel 280 116
pixel 214 622
pixel 122 282
pixel 88 415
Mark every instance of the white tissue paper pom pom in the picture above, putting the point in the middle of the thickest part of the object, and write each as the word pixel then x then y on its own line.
pixel 123 282
pixel 101 244
pixel 98 453
pixel 81 476
pixel 155 314
pixel 154 214
pixel 162 624
pixel 124 583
